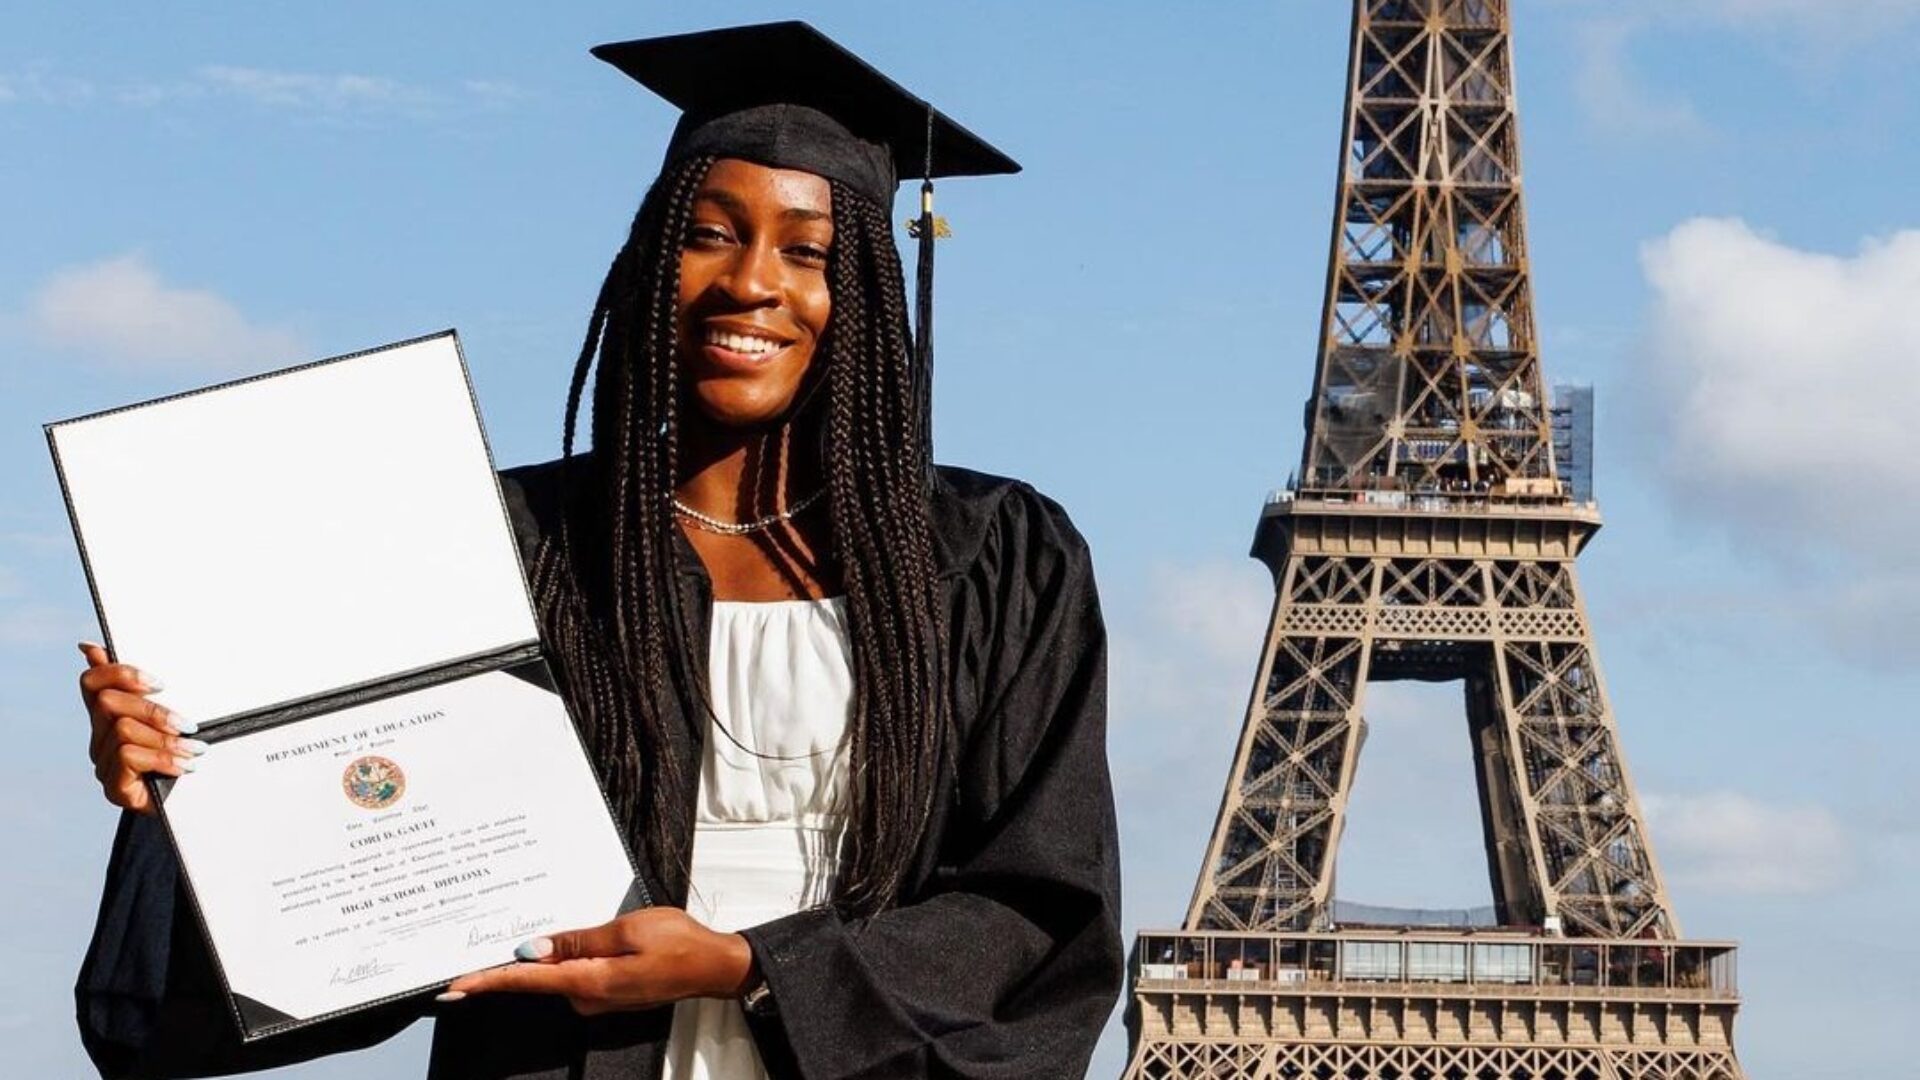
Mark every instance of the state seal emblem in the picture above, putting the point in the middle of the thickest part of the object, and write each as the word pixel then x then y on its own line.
pixel 373 783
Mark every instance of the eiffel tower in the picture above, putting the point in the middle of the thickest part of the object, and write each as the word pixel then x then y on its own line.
pixel 1430 536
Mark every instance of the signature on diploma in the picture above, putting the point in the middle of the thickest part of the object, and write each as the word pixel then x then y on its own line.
pixel 513 930
pixel 366 969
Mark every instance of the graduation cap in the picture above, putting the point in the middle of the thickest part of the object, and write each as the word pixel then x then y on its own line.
pixel 784 94
pixel 787 96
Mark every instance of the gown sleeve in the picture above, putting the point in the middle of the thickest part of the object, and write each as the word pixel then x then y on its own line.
pixel 1007 961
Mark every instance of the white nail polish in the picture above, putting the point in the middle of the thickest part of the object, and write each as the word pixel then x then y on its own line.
pixel 450 995
pixel 186 764
pixel 181 724
pixel 193 747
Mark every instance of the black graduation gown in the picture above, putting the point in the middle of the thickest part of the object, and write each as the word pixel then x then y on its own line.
pixel 1002 960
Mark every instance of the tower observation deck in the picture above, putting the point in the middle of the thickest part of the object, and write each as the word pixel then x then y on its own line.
pixel 1431 535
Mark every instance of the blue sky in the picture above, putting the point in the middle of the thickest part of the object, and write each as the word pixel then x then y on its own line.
pixel 1719 194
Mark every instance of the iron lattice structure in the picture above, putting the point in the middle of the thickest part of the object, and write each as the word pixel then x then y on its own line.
pixel 1430 537
pixel 1429 374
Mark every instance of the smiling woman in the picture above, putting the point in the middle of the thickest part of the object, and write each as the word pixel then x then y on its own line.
pixel 849 706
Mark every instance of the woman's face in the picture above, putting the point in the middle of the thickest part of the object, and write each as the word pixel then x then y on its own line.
pixel 753 289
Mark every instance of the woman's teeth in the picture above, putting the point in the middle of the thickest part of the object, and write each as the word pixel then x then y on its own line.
pixel 743 343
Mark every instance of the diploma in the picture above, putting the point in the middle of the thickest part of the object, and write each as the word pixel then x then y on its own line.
pixel 319 562
pixel 390 847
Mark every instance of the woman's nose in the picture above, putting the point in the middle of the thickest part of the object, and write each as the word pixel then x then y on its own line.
pixel 753 277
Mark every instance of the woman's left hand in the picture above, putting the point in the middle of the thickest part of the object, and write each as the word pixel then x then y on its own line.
pixel 648 957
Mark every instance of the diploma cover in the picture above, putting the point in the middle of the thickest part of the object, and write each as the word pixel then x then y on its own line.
pixel 319 565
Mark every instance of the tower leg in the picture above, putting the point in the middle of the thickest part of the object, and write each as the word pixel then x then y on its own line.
pixel 1509 846
pixel 1576 803
pixel 1270 862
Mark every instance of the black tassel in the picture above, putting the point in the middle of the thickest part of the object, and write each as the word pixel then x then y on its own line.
pixel 923 323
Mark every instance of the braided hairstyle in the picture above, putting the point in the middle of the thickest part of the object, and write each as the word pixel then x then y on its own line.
pixel 605 580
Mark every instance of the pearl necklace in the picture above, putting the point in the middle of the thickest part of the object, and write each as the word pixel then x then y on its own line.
pixel 742 528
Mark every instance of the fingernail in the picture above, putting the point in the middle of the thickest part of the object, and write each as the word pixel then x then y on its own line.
pixel 193 747
pixel 451 995
pixel 181 724
pixel 186 764
pixel 538 949
pixel 85 645
pixel 150 682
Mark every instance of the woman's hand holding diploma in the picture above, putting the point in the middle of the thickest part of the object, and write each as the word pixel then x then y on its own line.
pixel 132 736
pixel 649 957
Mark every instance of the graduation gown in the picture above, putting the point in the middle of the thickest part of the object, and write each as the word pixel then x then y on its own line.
pixel 1002 959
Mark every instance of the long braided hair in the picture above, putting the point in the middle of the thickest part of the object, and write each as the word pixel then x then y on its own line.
pixel 605 581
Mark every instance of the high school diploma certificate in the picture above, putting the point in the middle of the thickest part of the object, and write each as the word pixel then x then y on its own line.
pixel 389 847
pixel 320 564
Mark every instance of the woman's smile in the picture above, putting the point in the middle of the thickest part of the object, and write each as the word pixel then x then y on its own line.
pixel 740 347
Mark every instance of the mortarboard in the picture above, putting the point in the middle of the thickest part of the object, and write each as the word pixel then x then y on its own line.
pixel 787 96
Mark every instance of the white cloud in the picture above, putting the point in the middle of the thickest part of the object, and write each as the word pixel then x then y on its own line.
pixel 34 542
pixel 148 95
pixel 1616 98
pixel 42 86
pixel 1185 640
pixel 1872 619
pixel 1185 643
pixel 24 622
pixel 39 624
pixel 1783 397
pixel 329 94
pixel 120 311
pixel 493 92
pixel 1726 842
pixel 1834 19
pixel 1789 372
pixel 321 96
pixel 1613 95
pixel 1819 11
pixel 1184 652
pixel 346 96
pixel 1221 607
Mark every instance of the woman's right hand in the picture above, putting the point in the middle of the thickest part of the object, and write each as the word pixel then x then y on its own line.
pixel 132 736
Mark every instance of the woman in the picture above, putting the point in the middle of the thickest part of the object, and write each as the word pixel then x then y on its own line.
pixel 849 706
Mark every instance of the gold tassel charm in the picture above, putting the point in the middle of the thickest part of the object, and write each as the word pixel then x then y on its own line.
pixel 940 229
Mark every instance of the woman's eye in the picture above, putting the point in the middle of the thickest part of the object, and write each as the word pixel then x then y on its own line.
pixel 812 254
pixel 706 236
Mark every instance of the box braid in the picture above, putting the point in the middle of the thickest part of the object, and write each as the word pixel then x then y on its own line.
pixel 604 580
pixel 879 474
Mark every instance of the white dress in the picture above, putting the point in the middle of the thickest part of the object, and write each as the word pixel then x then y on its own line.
pixel 766 835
